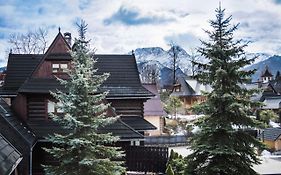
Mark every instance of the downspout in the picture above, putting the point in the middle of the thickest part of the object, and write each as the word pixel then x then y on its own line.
pixel 30 158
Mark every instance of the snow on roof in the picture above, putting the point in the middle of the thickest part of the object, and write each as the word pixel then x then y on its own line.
pixel 272 103
pixel 198 87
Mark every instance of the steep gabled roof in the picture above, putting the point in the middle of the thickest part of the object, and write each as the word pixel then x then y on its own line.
pixel 191 87
pixel 10 157
pixel 267 73
pixel 58 50
pixel 124 78
pixel 19 68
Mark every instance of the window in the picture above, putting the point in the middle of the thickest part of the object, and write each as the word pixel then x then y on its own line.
pixel 51 106
pixel 56 68
pixel 59 67
pixel 54 107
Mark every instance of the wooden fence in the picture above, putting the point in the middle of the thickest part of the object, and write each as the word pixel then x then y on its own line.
pixel 146 159
pixel 166 140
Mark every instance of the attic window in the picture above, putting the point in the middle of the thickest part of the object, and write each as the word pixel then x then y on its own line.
pixel 59 67
pixel 177 88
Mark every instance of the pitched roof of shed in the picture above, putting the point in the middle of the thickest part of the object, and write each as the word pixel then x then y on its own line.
pixel 121 129
pixel 272 134
pixel 138 123
pixel 10 157
pixel 153 106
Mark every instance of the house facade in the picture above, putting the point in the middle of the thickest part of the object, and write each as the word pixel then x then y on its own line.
pixel 30 79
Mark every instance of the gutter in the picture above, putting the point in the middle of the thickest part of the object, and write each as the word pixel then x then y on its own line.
pixel 30 158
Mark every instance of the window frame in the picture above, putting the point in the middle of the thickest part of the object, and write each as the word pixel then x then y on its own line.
pixel 59 67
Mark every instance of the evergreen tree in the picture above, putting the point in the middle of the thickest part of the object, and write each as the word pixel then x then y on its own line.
pixel 222 147
pixel 84 150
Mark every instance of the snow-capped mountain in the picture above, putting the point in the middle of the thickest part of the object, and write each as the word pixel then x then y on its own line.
pixel 161 57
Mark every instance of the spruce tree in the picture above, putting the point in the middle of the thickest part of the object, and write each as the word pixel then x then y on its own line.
pixel 222 147
pixel 84 150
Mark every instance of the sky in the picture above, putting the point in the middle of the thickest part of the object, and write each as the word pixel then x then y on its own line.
pixel 119 26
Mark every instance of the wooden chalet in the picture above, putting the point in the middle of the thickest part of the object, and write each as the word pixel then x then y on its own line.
pixel 30 79
pixel 190 91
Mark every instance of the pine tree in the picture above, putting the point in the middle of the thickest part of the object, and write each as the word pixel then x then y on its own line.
pixel 222 147
pixel 84 150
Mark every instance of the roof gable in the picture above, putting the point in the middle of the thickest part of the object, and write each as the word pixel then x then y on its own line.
pixel 58 46
pixel 58 50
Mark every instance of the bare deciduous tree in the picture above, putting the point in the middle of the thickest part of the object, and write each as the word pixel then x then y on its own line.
pixel 174 53
pixel 32 42
pixel 149 73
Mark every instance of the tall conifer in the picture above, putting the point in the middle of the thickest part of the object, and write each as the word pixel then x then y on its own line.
pixel 222 147
pixel 84 150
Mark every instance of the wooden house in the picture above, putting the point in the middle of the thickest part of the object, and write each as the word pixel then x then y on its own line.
pixel 30 79
pixel 190 91
pixel 153 111
pixel 272 138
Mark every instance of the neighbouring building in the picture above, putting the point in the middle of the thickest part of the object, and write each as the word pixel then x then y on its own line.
pixel 272 138
pixel 31 77
pixel 190 91
pixel 153 111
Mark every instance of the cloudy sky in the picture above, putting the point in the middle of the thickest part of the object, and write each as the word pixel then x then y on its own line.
pixel 119 26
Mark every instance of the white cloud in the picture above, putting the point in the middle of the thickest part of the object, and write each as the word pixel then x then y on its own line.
pixel 259 21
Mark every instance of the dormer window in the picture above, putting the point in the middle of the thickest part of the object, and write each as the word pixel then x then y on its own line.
pixel 59 67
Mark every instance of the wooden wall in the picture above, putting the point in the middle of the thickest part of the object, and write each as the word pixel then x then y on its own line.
pixel 129 107
pixel 19 106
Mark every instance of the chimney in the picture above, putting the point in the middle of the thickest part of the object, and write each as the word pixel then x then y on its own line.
pixel 67 37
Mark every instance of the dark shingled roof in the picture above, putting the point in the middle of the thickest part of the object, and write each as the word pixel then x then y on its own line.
pixel 266 73
pixel 271 134
pixel 19 126
pixel 58 56
pixel 122 130
pixel 123 80
pixel 10 157
pixel 124 77
pixel 138 123
pixel 41 85
pixel 20 67
pixel 43 128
